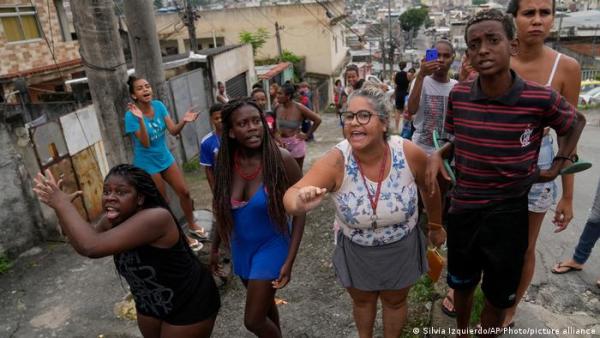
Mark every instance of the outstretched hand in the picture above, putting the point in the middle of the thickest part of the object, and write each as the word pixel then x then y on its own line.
pixel 190 116
pixel 49 190
pixel 310 196
pixel 135 110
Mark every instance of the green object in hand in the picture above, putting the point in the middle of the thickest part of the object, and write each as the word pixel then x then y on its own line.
pixel 436 143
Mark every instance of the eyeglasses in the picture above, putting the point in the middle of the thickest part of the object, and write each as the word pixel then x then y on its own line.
pixel 362 116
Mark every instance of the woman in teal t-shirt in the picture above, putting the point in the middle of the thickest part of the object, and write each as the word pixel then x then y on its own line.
pixel 150 151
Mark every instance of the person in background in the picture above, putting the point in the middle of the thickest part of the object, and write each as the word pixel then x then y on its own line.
pixel 251 177
pixel 209 146
pixel 407 123
pixel 340 96
pixel 221 94
pixel 260 97
pixel 588 238
pixel 401 80
pixel 374 181
pixel 273 91
pixel 428 97
pixel 305 97
pixel 290 115
pixel 174 294
pixel 353 80
pixel 146 121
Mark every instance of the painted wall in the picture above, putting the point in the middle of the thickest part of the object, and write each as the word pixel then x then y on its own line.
pixel 306 31
pixel 21 56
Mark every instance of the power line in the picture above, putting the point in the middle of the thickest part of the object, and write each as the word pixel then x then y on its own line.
pixel 319 20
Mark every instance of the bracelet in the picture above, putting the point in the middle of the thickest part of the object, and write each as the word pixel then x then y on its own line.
pixel 574 158
pixel 437 226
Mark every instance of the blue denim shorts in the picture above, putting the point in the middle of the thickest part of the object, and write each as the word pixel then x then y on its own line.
pixel 543 195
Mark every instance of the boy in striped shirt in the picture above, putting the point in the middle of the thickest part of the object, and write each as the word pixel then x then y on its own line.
pixel 496 124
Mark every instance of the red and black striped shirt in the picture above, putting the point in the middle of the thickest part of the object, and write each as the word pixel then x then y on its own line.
pixel 497 140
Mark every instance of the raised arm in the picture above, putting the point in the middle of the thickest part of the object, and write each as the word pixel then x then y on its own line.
pixel 175 128
pixel 141 133
pixel 414 98
pixel 146 226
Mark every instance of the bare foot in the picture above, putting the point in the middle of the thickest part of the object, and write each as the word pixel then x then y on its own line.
pixel 566 266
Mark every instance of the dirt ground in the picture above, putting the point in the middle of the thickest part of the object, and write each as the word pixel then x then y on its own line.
pixel 52 292
pixel 317 306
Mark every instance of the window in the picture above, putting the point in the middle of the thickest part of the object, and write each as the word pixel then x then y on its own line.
pixel 19 23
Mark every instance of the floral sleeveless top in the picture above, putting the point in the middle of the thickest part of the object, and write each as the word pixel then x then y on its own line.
pixel 397 209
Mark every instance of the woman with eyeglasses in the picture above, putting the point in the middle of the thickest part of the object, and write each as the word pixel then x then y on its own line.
pixel 374 181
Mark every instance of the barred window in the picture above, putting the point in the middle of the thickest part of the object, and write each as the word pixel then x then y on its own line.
pixel 20 23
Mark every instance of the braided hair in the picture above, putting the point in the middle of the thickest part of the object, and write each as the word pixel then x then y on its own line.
pixel 275 178
pixel 144 185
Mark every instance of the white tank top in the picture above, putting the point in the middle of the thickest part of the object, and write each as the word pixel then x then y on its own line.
pixel 397 209
pixel 553 72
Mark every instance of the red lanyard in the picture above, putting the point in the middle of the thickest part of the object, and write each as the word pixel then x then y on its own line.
pixel 374 200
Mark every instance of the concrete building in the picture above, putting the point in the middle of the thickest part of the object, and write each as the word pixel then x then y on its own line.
pixel 311 30
pixel 37 51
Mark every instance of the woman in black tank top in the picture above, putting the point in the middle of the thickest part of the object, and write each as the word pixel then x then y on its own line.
pixel 175 295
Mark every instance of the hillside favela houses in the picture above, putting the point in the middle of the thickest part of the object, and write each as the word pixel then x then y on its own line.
pixel 312 30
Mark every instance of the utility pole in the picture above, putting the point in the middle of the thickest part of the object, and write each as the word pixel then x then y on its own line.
pixel 190 22
pixel 382 49
pixel 390 38
pixel 145 48
pixel 102 56
pixel 277 28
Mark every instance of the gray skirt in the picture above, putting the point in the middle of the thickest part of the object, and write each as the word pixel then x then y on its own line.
pixel 392 266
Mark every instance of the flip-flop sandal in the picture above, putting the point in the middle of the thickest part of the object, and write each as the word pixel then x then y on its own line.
pixel 569 269
pixel 195 245
pixel 447 311
pixel 576 166
pixel 199 233
pixel 436 143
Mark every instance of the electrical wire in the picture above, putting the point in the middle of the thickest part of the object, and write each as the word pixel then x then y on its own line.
pixel 319 20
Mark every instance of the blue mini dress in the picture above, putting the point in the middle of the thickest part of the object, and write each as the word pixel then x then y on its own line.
pixel 258 248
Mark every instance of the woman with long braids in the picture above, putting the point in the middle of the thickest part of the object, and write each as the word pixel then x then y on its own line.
pixel 175 295
pixel 150 151
pixel 290 115
pixel 251 176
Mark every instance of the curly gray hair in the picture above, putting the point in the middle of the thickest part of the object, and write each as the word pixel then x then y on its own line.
pixel 378 98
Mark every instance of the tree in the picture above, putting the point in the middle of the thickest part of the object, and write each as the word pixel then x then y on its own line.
pixel 414 18
pixel 256 39
pixel 158 4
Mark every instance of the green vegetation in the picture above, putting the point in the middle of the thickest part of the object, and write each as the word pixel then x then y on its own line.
pixel 420 298
pixel 191 166
pixel 5 264
pixel 414 18
pixel 478 302
pixel 256 39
